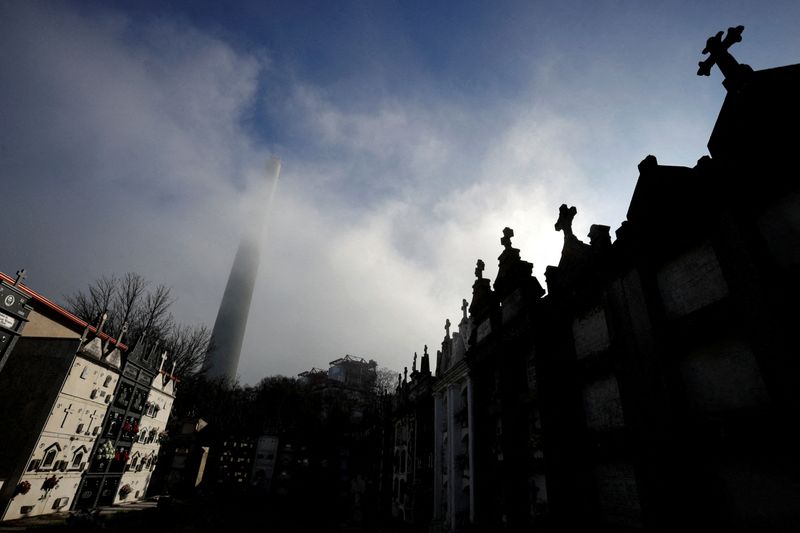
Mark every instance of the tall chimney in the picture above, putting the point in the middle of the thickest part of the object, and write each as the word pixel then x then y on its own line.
pixel 222 359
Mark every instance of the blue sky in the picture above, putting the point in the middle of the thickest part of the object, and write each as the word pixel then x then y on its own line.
pixel 135 133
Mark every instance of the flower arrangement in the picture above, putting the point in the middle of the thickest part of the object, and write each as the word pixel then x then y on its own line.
pixel 129 428
pixel 106 451
pixel 22 488
pixel 50 483
pixel 121 456
pixel 125 490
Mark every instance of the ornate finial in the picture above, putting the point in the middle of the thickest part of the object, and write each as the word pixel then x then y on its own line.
pixel 564 222
pixel 399 380
pixel 414 364
pixel 447 328
pixel 163 360
pixel 405 374
pixel 425 352
pixel 479 269
pixel 20 276
pixel 717 50
pixel 506 239
pixel 464 307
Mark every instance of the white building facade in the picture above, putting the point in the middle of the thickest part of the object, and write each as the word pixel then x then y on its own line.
pixel 61 452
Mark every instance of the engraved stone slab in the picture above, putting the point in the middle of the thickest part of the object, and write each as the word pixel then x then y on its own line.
pixel 722 376
pixel 618 495
pixel 512 305
pixel 591 333
pixel 691 282
pixel 602 404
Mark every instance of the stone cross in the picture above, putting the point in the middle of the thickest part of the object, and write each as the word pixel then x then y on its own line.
pixel 464 307
pixel 67 411
pixel 20 276
pixel 479 266
pixel 564 222
pixel 447 328
pixel 163 360
pixel 717 50
pixel 506 239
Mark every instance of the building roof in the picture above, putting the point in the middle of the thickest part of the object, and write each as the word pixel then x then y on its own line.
pixel 58 310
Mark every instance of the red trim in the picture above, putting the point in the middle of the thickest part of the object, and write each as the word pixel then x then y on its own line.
pixel 170 376
pixel 58 309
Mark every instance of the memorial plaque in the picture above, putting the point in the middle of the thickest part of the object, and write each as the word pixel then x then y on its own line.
pixel 618 495
pixel 590 332
pixel 7 321
pixel 691 282
pixel 722 376
pixel 512 305
pixel 602 404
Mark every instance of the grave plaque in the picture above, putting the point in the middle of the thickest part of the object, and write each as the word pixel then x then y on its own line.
pixel 14 310
pixel 721 376
pixel 512 305
pixel 617 494
pixel 691 282
pixel 590 332
pixel 602 404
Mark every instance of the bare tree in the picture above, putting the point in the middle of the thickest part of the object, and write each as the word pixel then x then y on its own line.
pixel 128 300
pixel 187 346
pixel 153 315
pixel 102 293
pixel 386 380
pixel 128 297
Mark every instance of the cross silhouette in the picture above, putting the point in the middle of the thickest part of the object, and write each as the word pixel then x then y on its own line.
pixel 479 266
pixel 564 222
pixel 717 50
pixel 506 239
pixel 67 411
pixel 20 276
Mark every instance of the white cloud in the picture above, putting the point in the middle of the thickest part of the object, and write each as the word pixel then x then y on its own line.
pixel 130 151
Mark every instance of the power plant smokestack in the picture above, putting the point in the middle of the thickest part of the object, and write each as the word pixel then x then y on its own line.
pixel 222 359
